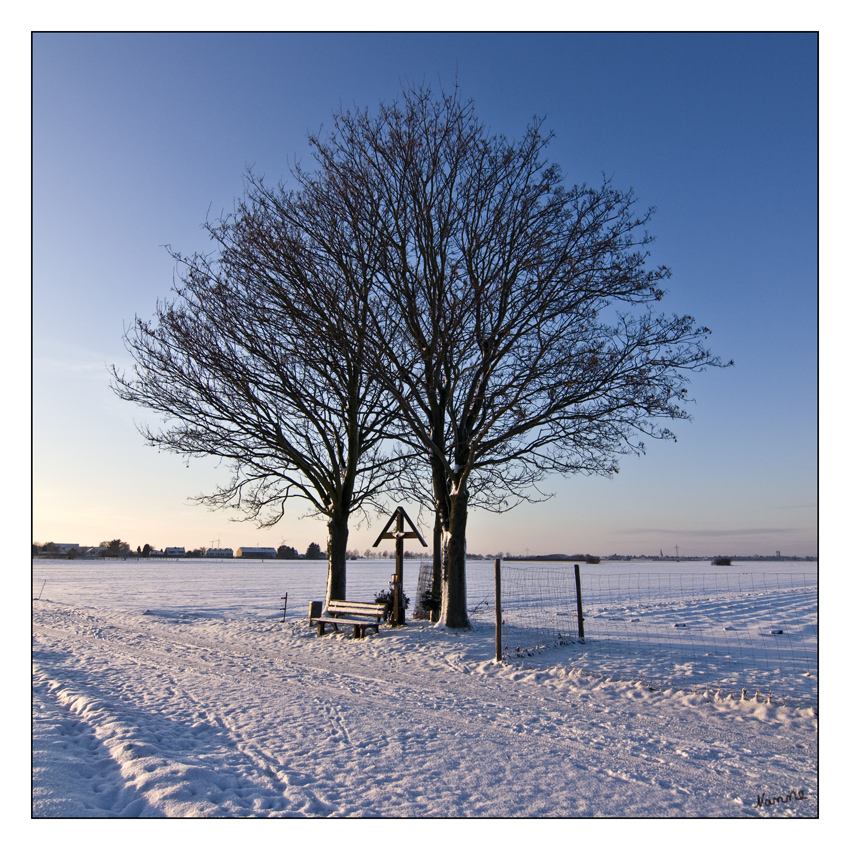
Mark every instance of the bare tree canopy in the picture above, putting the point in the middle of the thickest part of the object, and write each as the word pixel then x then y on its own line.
pixel 426 287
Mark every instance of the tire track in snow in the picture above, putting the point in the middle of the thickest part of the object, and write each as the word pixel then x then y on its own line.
pixel 293 786
pixel 68 753
pixel 154 758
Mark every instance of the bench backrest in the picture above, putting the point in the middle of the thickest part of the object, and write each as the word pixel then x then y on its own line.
pixel 358 609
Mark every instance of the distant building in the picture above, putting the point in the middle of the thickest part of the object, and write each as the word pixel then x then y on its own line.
pixel 256 552
pixel 219 553
pixel 65 548
pixel 175 552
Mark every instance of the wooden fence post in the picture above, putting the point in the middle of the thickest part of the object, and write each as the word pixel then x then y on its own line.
pixel 398 602
pixel 578 603
pixel 498 609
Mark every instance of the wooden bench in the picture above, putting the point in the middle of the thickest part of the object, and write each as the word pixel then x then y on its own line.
pixel 359 615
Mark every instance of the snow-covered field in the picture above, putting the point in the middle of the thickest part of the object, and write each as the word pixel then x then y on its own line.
pixel 173 689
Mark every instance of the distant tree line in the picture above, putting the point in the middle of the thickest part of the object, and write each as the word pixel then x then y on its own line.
pixel 116 548
pixel 588 559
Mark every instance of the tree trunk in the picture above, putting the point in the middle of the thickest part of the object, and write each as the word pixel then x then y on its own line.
pixel 453 613
pixel 337 544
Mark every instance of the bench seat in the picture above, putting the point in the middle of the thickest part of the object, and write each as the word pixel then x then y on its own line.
pixel 359 615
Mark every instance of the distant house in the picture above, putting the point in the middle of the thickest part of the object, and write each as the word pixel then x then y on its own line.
pixel 256 552
pixel 219 553
pixel 65 548
pixel 175 551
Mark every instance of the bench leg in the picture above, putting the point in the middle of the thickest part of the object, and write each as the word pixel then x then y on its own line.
pixel 359 629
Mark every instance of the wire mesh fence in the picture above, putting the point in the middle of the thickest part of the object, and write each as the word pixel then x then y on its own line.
pixel 734 631
pixel 538 606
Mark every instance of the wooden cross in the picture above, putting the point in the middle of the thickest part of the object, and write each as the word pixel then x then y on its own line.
pixel 399 535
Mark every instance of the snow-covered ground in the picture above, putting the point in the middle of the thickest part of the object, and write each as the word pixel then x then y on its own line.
pixel 173 689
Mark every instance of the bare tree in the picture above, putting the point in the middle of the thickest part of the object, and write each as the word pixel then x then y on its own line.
pixel 258 360
pixel 426 287
pixel 524 337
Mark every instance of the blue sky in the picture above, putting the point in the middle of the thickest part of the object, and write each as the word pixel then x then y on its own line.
pixel 137 138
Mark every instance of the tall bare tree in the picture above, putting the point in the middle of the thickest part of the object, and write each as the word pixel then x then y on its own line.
pixel 258 360
pixel 526 340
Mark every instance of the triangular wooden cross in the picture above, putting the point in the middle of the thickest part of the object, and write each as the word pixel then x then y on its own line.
pixel 399 517
pixel 398 579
